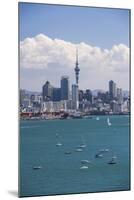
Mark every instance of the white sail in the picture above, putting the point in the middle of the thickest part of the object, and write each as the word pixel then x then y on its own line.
pixel 108 122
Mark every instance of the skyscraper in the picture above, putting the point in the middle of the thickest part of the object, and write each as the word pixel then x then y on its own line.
pixel 64 88
pixel 112 90
pixel 88 95
pixel 47 91
pixel 56 94
pixel 119 95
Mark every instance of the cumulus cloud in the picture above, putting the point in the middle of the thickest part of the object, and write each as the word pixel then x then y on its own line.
pixel 42 52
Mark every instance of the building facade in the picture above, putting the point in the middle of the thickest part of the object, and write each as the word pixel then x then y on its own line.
pixel 65 88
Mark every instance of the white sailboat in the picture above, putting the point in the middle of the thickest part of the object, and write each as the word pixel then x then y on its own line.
pixel 113 160
pixel 97 118
pixel 83 144
pixel 108 122
pixel 85 161
pixel 84 167
pixel 58 143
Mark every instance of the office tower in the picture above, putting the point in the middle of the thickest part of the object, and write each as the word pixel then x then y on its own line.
pixel 64 88
pixel 88 95
pixel 112 90
pixel 22 96
pixel 47 91
pixel 119 95
pixel 81 95
pixel 56 94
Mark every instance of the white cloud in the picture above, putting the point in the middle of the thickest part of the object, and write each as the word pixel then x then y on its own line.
pixel 41 51
pixel 43 58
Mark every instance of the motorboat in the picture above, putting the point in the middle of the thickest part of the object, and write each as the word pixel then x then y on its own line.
pixel 99 155
pixel 59 144
pixel 82 145
pixel 104 150
pixel 37 167
pixel 112 161
pixel 85 161
pixel 67 152
pixel 79 149
pixel 84 167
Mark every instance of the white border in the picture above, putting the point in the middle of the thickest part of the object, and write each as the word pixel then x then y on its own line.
pixel 9 99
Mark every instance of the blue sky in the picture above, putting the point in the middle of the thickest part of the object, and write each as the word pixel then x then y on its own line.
pixel 43 58
pixel 96 26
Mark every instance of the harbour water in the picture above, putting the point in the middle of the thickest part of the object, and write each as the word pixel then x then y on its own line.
pixel 49 169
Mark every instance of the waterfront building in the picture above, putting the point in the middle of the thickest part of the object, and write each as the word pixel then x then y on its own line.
pixel 24 96
pixel 103 96
pixel 88 95
pixel 47 91
pixel 112 90
pixel 126 106
pixel 116 107
pixel 119 95
pixel 47 106
pixel 26 103
pixel 56 94
pixel 81 95
pixel 65 88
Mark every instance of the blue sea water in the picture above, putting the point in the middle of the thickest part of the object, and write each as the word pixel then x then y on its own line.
pixel 61 173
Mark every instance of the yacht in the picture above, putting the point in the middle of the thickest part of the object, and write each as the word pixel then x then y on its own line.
pixel 37 167
pixel 85 161
pixel 59 144
pixel 67 152
pixel 99 155
pixel 104 150
pixel 79 149
pixel 108 122
pixel 112 161
pixel 84 167
pixel 83 144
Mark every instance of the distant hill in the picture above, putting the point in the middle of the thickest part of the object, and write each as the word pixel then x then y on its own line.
pixel 32 92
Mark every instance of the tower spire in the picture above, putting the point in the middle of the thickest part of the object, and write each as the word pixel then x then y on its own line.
pixel 77 69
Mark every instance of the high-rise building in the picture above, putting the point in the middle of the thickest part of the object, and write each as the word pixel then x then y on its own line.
pixel 56 94
pixel 88 95
pixel 47 91
pixel 112 90
pixel 119 95
pixel 81 95
pixel 65 88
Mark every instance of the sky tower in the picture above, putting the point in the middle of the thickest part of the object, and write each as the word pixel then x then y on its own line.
pixel 75 87
pixel 77 69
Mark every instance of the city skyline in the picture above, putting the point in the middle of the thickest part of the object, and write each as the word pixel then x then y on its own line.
pixel 47 53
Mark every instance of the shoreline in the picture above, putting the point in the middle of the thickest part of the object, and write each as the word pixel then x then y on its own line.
pixel 70 117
